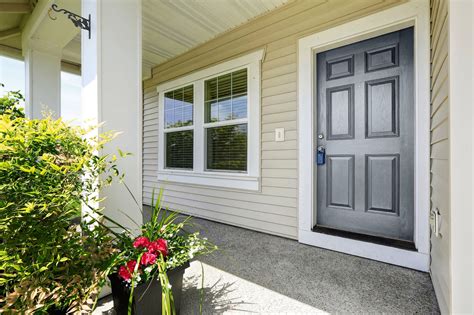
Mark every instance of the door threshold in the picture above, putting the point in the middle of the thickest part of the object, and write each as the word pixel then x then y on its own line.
pixel 407 245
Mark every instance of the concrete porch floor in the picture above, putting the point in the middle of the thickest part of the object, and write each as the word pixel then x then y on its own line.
pixel 259 273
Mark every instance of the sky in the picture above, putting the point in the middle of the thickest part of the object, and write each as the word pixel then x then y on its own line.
pixel 12 75
pixel 70 96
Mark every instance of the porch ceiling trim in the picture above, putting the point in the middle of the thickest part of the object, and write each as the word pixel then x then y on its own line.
pixel 10 33
pixel 15 8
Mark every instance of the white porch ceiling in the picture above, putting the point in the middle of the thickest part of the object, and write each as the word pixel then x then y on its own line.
pixel 172 27
pixel 13 13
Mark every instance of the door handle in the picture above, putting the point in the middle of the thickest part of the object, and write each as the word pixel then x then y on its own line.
pixel 320 155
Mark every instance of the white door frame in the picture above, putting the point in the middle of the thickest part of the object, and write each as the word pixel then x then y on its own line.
pixel 413 13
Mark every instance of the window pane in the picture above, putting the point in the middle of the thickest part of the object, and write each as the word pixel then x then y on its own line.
pixel 212 111
pixel 227 148
pixel 187 114
pixel 226 97
pixel 239 107
pixel 179 107
pixel 211 89
pixel 224 84
pixel 169 104
pixel 239 82
pixel 179 149
pixel 225 108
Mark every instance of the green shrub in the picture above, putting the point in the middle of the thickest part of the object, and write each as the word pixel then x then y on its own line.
pixel 10 104
pixel 48 170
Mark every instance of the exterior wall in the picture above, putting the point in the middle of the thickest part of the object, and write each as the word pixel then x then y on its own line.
pixel 274 208
pixel 440 150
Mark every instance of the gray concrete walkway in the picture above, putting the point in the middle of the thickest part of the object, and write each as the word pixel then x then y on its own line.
pixel 260 273
pixel 254 265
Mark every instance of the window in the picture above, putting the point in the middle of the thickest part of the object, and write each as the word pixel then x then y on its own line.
pixel 178 120
pixel 227 148
pixel 210 126
pixel 226 101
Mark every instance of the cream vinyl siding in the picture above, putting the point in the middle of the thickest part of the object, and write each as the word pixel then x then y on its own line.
pixel 274 208
pixel 440 179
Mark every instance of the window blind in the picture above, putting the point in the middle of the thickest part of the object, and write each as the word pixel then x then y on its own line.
pixel 178 112
pixel 227 148
pixel 179 107
pixel 226 97
pixel 179 149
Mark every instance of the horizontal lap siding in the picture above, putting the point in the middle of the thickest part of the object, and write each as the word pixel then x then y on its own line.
pixel 273 209
pixel 440 179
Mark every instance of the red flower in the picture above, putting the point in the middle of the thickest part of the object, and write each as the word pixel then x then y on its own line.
pixel 125 272
pixel 141 241
pixel 148 259
pixel 159 246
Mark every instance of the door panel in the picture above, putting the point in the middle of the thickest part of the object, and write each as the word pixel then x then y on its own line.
pixel 381 58
pixel 340 112
pixel 382 108
pixel 382 183
pixel 340 181
pixel 365 122
pixel 340 67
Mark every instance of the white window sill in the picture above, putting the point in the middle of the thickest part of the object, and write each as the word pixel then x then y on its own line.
pixel 236 181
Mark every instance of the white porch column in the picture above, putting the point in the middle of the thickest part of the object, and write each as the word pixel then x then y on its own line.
pixel 43 37
pixel 461 136
pixel 43 82
pixel 112 94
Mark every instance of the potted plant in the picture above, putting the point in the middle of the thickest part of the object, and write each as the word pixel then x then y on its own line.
pixel 152 265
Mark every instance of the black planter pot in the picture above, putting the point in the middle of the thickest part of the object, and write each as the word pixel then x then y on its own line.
pixel 146 296
pixel 56 311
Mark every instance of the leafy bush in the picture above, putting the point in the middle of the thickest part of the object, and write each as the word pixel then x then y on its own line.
pixel 10 104
pixel 47 171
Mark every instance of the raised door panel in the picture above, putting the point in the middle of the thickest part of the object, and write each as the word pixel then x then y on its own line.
pixel 340 67
pixel 340 112
pixel 382 108
pixel 382 183
pixel 381 58
pixel 340 181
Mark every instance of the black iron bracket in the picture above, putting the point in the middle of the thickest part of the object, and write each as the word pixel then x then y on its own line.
pixel 77 20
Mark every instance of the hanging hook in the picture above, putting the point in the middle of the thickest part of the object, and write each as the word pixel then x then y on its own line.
pixel 76 19
pixel 51 17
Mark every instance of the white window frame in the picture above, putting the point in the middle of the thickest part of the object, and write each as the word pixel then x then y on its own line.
pixel 249 180
pixel 413 13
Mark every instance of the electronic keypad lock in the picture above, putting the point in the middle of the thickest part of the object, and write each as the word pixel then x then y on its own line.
pixel 321 155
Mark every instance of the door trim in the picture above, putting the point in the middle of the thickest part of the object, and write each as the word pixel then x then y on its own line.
pixel 413 13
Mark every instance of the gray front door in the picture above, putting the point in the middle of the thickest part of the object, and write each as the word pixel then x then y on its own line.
pixel 365 123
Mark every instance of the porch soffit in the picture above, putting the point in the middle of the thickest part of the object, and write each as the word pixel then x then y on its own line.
pixel 13 15
pixel 170 27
